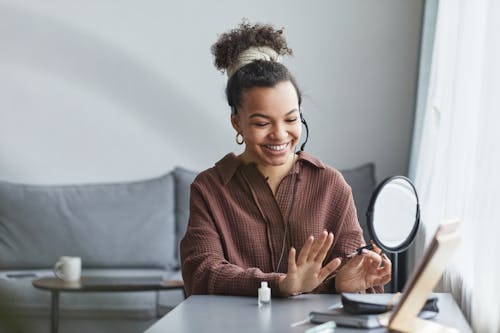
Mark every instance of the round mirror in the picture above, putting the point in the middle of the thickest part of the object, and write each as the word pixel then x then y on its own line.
pixel 393 217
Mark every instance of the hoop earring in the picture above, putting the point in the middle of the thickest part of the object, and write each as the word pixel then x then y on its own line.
pixel 239 138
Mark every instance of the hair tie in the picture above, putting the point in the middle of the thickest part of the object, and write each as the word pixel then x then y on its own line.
pixel 251 54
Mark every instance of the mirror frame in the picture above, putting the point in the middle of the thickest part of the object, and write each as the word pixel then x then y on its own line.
pixel 370 211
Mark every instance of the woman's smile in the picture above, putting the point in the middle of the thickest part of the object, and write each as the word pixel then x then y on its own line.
pixel 277 149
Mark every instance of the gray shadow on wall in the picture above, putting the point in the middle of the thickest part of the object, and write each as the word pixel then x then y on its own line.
pixel 48 45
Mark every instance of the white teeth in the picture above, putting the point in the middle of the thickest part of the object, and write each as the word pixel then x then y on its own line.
pixel 277 148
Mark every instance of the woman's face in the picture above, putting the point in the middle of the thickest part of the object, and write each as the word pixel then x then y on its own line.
pixel 269 120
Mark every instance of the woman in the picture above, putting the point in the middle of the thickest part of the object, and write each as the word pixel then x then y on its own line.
pixel 271 214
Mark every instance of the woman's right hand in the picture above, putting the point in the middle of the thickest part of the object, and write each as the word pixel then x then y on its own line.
pixel 371 268
pixel 306 273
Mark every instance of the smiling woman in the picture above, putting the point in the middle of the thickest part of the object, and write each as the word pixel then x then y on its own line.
pixel 269 124
pixel 245 211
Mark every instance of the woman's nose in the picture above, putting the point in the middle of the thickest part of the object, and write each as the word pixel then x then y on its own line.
pixel 279 132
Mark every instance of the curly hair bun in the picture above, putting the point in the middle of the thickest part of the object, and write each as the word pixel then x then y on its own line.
pixel 231 44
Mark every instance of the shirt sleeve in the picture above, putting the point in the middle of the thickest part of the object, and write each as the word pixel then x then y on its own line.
pixel 348 238
pixel 205 269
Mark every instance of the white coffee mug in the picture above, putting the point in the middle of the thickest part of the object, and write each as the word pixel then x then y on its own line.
pixel 68 268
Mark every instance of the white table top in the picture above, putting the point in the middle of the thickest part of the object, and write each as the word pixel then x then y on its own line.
pixel 212 313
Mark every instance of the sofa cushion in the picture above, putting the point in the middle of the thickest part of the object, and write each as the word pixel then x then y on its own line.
pixel 362 182
pixel 108 225
pixel 183 180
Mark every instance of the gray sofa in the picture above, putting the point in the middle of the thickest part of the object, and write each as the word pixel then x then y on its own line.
pixel 123 229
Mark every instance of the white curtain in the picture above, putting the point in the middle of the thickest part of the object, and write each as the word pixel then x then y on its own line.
pixel 457 165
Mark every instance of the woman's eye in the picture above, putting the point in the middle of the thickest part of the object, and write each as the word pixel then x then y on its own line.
pixel 260 124
pixel 291 120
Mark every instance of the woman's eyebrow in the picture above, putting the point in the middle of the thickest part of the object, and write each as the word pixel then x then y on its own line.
pixel 267 117
pixel 291 111
pixel 253 115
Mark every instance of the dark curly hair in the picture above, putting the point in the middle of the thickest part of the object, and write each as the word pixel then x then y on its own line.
pixel 259 73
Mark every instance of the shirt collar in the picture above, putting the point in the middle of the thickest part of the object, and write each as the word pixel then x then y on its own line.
pixel 312 160
pixel 229 164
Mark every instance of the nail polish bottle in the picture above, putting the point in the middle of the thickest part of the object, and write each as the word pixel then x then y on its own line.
pixel 264 294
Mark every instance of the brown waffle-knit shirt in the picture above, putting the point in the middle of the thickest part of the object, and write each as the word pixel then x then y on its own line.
pixel 236 225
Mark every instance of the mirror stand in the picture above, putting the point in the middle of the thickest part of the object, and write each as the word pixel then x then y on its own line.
pixel 393 218
pixel 394 273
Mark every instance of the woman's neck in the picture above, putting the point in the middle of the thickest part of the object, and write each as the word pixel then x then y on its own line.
pixel 273 173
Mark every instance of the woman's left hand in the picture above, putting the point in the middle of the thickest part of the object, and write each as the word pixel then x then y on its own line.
pixel 307 271
pixel 363 271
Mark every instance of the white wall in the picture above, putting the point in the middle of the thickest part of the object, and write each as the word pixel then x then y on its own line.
pixel 96 90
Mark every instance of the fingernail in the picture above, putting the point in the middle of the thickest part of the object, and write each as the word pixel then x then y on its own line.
pixel 364 251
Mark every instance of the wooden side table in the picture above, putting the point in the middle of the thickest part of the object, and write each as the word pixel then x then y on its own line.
pixel 101 284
